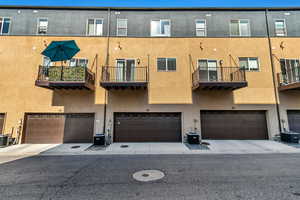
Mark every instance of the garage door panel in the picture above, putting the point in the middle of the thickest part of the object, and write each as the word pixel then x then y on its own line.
pixel 294 120
pixel 59 128
pixel 147 127
pixel 79 128
pixel 44 129
pixel 233 125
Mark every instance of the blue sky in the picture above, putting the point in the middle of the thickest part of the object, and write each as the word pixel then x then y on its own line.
pixel 157 3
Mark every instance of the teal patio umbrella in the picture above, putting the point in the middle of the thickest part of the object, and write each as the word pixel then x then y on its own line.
pixel 61 50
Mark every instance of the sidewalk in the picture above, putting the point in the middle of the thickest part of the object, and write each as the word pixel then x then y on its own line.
pixel 215 147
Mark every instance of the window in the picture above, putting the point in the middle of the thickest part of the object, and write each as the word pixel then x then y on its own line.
pixel 121 27
pixel 78 62
pixel 208 70
pixel 250 64
pixel 47 62
pixel 280 27
pixel 290 70
pixel 166 64
pixel 95 27
pixel 161 27
pixel 4 25
pixel 125 70
pixel 42 26
pixel 200 27
pixel 240 27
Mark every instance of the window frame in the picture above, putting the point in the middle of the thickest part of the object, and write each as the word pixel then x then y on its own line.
pixel 9 28
pixel 77 61
pixel 285 28
pixel 166 70
pixel 251 70
pixel 160 35
pixel 205 29
pixel 122 28
pixel 87 27
pixel 38 25
pixel 239 22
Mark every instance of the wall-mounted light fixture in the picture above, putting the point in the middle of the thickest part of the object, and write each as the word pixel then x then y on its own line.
pixel 282 45
pixel 119 46
pixel 201 47
pixel 221 62
pixel 138 61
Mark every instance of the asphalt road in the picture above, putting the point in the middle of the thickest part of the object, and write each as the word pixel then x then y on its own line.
pixel 199 177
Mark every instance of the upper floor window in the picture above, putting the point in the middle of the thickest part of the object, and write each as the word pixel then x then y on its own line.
pixel 250 64
pixel 95 27
pixel 78 62
pixel 166 64
pixel 200 27
pixel 280 27
pixel 42 26
pixel 121 27
pixel 4 25
pixel 161 27
pixel 240 27
pixel 208 70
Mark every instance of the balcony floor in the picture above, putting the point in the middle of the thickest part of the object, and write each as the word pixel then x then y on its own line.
pixel 291 86
pixel 220 85
pixel 124 85
pixel 72 85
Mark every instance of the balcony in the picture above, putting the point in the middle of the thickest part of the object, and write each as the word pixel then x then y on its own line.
pixel 63 77
pixel 124 77
pixel 219 78
pixel 289 80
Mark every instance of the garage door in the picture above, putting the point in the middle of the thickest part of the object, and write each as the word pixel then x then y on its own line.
pixel 59 128
pixel 1 122
pixel 235 125
pixel 147 127
pixel 294 120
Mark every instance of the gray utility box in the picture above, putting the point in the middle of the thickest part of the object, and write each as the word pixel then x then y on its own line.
pixel 290 137
pixel 193 138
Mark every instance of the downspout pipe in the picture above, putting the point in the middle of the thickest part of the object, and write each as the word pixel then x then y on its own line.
pixel 106 63
pixel 273 71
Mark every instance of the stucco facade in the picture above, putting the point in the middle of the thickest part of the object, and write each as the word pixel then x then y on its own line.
pixel 20 57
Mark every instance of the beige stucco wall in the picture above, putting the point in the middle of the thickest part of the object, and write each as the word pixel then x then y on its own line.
pixel 287 48
pixel 167 91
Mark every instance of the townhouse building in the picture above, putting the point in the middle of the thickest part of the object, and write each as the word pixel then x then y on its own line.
pixel 150 74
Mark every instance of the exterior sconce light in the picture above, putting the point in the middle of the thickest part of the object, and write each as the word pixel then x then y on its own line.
pixel 282 45
pixel 119 46
pixel 138 61
pixel 221 62
pixel 201 47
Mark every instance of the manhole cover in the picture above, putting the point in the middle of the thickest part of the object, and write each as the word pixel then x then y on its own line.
pixel 75 147
pixel 148 175
pixel 124 146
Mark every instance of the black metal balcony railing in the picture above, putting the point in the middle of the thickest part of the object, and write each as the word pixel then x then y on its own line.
pixel 289 79
pixel 219 78
pixel 124 77
pixel 65 77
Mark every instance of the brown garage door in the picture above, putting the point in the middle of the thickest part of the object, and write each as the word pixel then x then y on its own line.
pixel 147 127
pixel 235 125
pixel 1 122
pixel 294 120
pixel 58 128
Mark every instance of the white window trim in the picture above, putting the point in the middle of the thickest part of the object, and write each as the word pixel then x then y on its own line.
pixel 135 60
pixel 87 27
pixel 207 60
pixel 285 27
pixel 205 29
pixel 126 27
pixel 249 70
pixel 167 70
pixel 37 25
pixel 239 20
pixel 78 58
pixel 160 35
pixel 8 27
